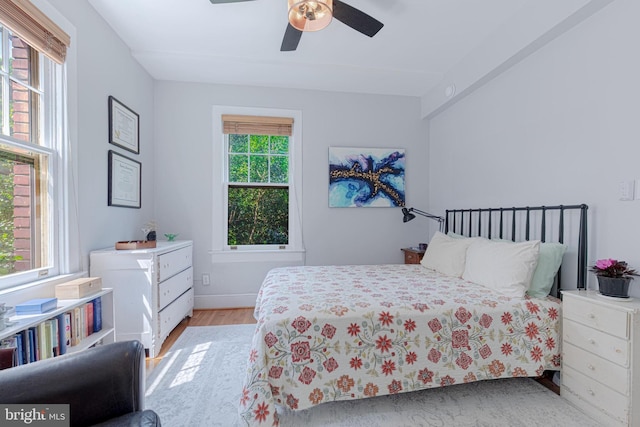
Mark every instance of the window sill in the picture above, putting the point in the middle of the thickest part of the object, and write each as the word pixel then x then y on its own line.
pixel 36 289
pixel 296 256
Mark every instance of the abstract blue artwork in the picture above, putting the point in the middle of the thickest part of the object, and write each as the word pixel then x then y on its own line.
pixel 366 177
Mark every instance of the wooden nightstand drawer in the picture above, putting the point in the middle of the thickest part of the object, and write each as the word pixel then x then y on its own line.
pixel 595 367
pixel 601 344
pixel 598 316
pixel 595 394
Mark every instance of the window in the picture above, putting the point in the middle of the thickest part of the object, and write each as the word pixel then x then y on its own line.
pixel 260 181
pixel 258 190
pixel 31 129
pixel 257 177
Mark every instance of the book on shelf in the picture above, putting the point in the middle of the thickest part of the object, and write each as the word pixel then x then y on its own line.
pixel 88 310
pixel 26 346
pixel 97 314
pixel 64 332
pixel 37 306
pixel 33 345
pixel 9 348
pixel 7 357
pixel 77 326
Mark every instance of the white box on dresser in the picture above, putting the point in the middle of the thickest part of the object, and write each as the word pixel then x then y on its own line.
pixel 152 288
pixel 601 356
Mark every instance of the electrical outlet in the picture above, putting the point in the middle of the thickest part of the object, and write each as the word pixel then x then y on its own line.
pixel 626 190
pixel 206 279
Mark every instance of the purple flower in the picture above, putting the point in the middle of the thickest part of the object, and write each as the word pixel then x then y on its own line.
pixel 603 264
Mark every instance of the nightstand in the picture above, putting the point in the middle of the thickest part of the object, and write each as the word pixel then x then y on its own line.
pixel 600 361
pixel 412 255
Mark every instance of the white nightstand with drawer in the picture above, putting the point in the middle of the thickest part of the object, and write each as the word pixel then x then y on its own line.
pixel 601 356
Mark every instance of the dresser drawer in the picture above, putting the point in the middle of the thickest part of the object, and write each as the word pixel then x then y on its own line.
pixel 173 287
pixel 171 263
pixel 595 394
pixel 595 367
pixel 601 344
pixel 172 314
pixel 601 317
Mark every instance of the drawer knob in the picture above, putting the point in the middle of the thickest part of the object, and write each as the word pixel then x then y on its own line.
pixel 591 392
pixel 618 350
pixel 591 316
pixel 592 341
pixel 590 366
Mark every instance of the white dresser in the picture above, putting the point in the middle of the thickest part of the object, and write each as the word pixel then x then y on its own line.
pixel 601 356
pixel 152 289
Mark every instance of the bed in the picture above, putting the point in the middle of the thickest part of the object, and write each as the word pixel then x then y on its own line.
pixel 327 333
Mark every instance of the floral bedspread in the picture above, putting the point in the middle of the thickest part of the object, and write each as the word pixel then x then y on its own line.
pixel 331 333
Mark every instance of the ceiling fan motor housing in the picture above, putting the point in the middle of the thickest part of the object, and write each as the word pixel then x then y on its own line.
pixel 307 15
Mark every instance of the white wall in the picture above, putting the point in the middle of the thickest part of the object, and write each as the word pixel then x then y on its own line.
pixel 103 66
pixel 98 64
pixel 184 153
pixel 559 127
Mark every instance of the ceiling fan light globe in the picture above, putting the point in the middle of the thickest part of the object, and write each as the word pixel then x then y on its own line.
pixel 307 15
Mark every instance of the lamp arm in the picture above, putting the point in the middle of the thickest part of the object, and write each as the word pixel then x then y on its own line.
pixel 428 215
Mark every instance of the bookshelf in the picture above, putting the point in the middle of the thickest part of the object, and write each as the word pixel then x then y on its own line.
pixel 105 335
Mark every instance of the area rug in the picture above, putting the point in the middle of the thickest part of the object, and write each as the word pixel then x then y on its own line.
pixel 198 384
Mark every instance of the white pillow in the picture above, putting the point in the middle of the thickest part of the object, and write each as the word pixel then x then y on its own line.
pixel 446 255
pixel 504 266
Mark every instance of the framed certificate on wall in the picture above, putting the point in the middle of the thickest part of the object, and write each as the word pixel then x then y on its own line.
pixel 125 176
pixel 124 126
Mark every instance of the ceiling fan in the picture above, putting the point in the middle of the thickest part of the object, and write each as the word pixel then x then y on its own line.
pixel 314 15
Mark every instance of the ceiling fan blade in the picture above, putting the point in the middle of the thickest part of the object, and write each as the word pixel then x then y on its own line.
pixel 291 39
pixel 356 19
pixel 226 1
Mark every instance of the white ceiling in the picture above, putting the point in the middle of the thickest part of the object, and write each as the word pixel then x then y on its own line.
pixel 239 43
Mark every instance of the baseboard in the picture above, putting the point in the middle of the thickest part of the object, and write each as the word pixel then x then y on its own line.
pixel 224 301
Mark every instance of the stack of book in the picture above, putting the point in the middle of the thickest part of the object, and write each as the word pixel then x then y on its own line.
pixel 54 336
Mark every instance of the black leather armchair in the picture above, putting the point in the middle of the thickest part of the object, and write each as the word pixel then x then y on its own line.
pixel 104 385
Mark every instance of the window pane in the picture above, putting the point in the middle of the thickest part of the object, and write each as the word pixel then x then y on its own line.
pixel 279 169
pixel 258 216
pixel 238 168
pixel 238 143
pixel 259 144
pixel 20 61
pixel 21 111
pixel 258 169
pixel 279 145
pixel 18 215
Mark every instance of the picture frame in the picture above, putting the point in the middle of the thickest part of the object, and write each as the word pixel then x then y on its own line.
pixel 125 181
pixel 124 126
pixel 366 177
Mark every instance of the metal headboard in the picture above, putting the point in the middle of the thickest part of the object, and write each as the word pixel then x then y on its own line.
pixel 482 222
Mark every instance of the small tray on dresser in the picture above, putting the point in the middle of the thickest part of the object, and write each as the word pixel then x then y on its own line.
pixel 135 244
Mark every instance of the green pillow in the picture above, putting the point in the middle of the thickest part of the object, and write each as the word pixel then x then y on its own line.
pixel 549 261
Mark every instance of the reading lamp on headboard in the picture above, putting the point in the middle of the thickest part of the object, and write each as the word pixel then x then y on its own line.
pixel 408 216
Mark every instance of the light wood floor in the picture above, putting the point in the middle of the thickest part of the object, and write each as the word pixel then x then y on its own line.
pixel 231 316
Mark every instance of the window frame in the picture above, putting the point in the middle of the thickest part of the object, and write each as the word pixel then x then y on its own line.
pixel 221 251
pixel 49 134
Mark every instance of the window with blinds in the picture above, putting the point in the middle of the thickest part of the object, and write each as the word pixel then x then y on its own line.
pixel 257 180
pixel 32 54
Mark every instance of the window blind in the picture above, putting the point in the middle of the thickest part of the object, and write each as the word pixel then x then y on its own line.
pixel 34 27
pixel 257 125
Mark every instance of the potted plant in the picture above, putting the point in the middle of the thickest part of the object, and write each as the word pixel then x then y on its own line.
pixel 614 277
